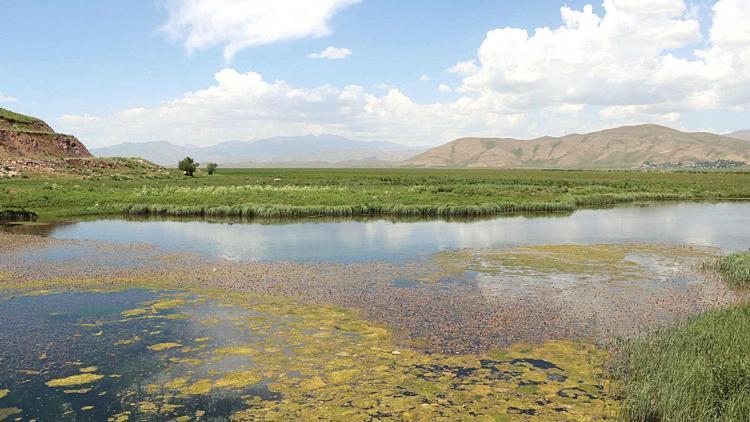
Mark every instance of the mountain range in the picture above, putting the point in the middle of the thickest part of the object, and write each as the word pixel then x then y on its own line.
pixel 287 150
pixel 623 147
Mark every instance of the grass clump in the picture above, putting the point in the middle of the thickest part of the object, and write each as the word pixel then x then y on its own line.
pixel 735 268
pixel 698 370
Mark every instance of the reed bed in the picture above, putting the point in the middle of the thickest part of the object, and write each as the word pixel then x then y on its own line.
pixel 698 370
pixel 735 268
pixel 363 192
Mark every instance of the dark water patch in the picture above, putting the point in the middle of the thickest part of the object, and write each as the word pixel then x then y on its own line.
pixel 536 363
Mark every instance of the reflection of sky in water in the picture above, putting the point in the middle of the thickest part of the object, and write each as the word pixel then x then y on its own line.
pixel 726 225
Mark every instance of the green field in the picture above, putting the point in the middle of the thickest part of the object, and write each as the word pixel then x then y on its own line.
pixel 360 192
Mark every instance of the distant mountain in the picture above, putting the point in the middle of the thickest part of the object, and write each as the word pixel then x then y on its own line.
pixel 289 149
pixel 623 147
pixel 28 137
pixel 740 134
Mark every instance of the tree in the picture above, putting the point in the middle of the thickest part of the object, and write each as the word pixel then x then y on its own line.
pixel 188 166
pixel 211 168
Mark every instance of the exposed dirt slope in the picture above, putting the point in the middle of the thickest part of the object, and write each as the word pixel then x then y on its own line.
pixel 28 137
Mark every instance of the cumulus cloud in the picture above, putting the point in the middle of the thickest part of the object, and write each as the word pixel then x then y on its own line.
pixel 246 106
pixel 639 61
pixel 6 99
pixel 424 78
pixel 624 63
pixel 331 53
pixel 238 24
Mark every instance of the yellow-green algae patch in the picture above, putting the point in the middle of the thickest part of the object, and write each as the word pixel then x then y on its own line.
pixel 4 392
pixel 615 261
pixel 327 363
pixel 164 346
pixel 7 412
pixel 74 380
pixel 322 362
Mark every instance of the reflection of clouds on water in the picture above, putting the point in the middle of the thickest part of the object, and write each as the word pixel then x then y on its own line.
pixel 721 225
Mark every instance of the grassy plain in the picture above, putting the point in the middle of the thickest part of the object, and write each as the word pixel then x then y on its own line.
pixel 292 193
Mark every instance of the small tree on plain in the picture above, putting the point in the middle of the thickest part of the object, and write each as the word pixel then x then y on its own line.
pixel 188 166
pixel 211 168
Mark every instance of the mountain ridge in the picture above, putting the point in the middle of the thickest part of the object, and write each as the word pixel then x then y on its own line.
pixel 286 149
pixel 622 147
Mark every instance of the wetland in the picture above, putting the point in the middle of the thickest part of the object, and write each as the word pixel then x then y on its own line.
pixel 513 317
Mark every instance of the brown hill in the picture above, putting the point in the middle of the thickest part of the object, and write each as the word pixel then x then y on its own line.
pixel 741 134
pixel 624 147
pixel 28 137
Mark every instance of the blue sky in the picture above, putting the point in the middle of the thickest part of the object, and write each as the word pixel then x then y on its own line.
pixel 83 65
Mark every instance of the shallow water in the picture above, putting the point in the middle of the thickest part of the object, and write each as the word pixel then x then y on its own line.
pixel 725 225
pixel 170 355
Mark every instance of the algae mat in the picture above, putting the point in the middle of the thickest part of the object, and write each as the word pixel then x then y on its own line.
pixel 191 355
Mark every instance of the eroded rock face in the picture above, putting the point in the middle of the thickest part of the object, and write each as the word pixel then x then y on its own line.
pixel 40 145
pixel 28 137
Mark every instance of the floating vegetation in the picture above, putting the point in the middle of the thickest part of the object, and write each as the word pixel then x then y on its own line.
pixel 164 346
pixel 4 392
pixel 620 262
pixel 271 358
pixel 74 380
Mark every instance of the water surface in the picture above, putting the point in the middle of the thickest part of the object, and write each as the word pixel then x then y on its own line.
pixel 725 225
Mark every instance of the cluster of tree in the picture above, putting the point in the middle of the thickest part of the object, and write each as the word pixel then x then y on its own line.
pixel 189 166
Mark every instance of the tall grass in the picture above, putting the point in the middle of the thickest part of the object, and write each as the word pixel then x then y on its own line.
pixel 698 370
pixel 361 192
pixel 287 211
pixel 735 268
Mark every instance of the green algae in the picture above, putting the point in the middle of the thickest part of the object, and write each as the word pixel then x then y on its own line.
pixel 289 360
pixel 344 367
pixel 4 392
pixel 7 412
pixel 74 380
pixel 164 346
pixel 620 262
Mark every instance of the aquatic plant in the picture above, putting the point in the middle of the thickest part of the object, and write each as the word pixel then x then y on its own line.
pixel 698 370
pixel 258 193
pixel 735 268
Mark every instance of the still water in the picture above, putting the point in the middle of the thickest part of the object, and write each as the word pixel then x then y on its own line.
pixel 726 225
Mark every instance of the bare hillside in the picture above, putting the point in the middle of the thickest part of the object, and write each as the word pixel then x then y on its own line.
pixel 623 147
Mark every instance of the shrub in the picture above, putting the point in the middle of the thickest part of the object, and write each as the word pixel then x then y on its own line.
pixel 188 166
pixel 211 168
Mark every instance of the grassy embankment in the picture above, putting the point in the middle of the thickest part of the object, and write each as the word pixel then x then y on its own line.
pixel 697 370
pixel 345 192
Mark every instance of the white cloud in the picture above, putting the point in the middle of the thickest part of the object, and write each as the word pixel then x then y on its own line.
pixel 6 99
pixel 624 60
pixel 424 78
pixel 245 106
pixel 238 24
pixel 444 88
pixel 640 61
pixel 331 53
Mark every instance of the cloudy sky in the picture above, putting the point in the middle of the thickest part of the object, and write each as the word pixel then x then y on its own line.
pixel 413 72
